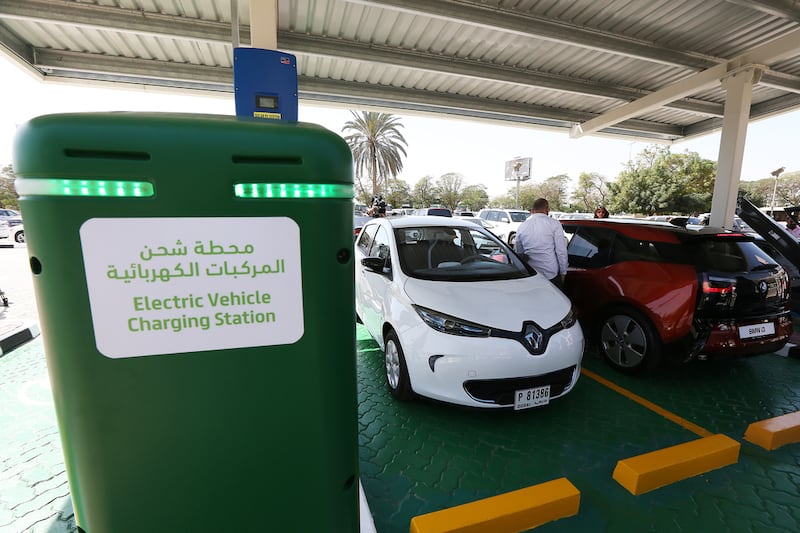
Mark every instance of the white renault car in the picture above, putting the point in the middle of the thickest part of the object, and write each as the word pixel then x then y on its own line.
pixel 461 318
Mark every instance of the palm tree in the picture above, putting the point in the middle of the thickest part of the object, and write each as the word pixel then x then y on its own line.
pixel 377 145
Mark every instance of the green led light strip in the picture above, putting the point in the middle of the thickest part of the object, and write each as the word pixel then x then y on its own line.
pixel 64 187
pixel 303 191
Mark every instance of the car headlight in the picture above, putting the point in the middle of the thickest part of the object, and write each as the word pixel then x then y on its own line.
pixel 450 324
pixel 569 320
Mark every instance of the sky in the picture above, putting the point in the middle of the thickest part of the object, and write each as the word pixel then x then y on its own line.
pixel 478 150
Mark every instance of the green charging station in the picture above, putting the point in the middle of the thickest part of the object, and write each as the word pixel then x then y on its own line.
pixel 194 280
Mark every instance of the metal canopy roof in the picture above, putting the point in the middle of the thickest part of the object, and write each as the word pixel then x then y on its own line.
pixel 643 68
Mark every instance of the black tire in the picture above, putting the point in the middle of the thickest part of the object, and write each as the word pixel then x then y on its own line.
pixel 511 238
pixel 19 237
pixel 629 342
pixel 396 369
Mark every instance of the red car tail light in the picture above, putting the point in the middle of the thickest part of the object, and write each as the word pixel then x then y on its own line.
pixel 716 292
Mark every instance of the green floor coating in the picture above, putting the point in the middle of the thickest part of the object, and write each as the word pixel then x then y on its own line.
pixel 423 456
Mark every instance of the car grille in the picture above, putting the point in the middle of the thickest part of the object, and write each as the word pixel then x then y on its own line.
pixel 501 391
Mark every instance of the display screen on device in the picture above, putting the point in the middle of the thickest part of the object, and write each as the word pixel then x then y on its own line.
pixel 266 102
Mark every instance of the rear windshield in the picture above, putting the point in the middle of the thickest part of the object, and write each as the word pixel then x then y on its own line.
pixel 730 256
pixel 720 254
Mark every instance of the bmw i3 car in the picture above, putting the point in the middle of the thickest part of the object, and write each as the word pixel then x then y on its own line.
pixel 461 318
pixel 648 292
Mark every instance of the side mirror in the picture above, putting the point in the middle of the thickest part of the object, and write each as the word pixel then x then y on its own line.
pixel 375 264
pixel 504 219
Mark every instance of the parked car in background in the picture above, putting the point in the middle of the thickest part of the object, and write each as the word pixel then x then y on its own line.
pixel 738 224
pixel 461 318
pixel 434 211
pixel 505 221
pixel 479 221
pixel 575 216
pixel 12 217
pixel 17 233
pixel 648 291
pixel 5 233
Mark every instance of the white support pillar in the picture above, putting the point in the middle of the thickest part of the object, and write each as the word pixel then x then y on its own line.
pixel 264 24
pixel 739 91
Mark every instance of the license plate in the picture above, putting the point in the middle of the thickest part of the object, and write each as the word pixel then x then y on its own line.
pixel 756 330
pixel 527 398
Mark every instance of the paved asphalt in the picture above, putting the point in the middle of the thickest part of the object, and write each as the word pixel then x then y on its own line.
pixel 423 456
pixel 34 492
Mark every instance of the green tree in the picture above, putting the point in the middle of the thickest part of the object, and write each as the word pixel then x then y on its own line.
pixel 475 197
pixel 554 189
pixel 788 192
pixel 591 191
pixel 450 187
pixel 758 192
pixel 378 146
pixel 397 192
pixel 659 181
pixel 8 193
pixel 425 192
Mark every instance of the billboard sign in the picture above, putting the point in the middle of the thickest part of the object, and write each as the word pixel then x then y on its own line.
pixel 518 169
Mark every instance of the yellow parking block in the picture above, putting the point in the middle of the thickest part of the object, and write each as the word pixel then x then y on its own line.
pixel 511 512
pixel 649 471
pixel 773 433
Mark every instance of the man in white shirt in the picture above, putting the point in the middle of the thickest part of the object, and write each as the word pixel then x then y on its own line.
pixel 793 228
pixel 541 243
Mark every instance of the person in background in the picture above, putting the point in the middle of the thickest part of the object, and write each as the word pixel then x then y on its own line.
pixel 378 208
pixel 541 243
pixel 793 228
pixel 600 212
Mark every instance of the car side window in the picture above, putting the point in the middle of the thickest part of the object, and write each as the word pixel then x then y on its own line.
pixel 380 245
pixel 589 247
pixel 627 249
pixel 365 239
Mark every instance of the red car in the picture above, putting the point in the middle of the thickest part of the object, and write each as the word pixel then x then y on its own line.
pixel 648 290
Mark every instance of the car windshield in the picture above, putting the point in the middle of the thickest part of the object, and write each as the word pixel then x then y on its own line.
pixel 519 216
pixel 445 253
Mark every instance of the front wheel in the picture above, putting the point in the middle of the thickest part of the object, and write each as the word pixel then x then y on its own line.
pixel 396 369
pixel 19 237
pixel 511 238
pixel 629 342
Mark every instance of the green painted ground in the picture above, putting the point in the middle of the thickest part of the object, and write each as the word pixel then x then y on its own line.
pixel 423 456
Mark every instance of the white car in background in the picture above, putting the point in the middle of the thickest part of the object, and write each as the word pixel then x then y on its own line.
pixel 17 234
pixel 5 233
pixel 505 222
pixel 461 318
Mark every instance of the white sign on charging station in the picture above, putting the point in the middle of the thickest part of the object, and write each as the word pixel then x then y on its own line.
pixel 175 285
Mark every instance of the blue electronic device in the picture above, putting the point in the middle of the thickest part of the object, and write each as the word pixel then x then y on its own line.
pixel 265 84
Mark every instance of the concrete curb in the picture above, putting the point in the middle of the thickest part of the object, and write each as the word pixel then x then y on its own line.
pixel 16 335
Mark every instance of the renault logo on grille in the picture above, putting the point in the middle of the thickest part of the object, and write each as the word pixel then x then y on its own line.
pixel 532 337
